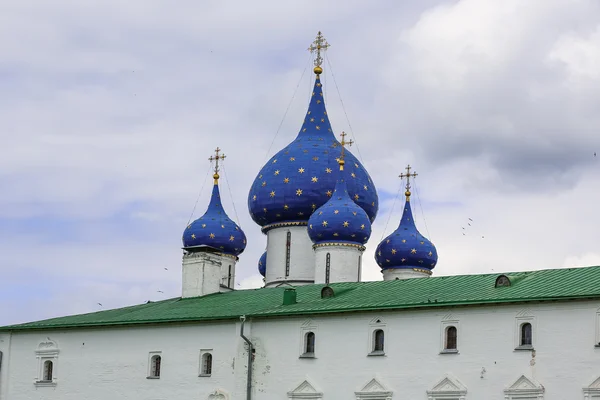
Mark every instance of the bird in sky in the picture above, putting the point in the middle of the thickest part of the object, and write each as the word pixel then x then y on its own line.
pixel 166 269
pixel 470 219
pixel 100 304
pixel 160 291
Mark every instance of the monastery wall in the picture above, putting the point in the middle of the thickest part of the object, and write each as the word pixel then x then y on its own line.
pixel 100 364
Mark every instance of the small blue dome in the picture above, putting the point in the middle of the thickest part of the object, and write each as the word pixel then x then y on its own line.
pixel 262 264
pixel 302 176
pixel 340 220
pixel 215 229
pixel 406 247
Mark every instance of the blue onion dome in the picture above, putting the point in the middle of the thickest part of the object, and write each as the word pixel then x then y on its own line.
pixel 262 264
pixel 215 229
pixel 302 176
pixel 340 219
pixel 406 247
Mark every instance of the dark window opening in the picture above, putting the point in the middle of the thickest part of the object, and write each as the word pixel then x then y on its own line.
pixel 229 278
pixel 526 334
pixel 378 340
pixel 288 245
pixel 206 364
pixel 155 366
pixel 48 366
pixel 327 268
pixel 451 335
pixel 309 347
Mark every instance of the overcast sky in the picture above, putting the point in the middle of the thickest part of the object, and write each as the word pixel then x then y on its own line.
pixel 110 109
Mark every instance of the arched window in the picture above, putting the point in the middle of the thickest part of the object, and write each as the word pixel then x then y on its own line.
pixel 155 366
pixel 526 334
pixel 229 277
pixel 288 245
pixel 359 268
pixel 309 343
pixel 378 338
pixel 48 371
pixel 327 268
pixel 450 340
pixel 206 364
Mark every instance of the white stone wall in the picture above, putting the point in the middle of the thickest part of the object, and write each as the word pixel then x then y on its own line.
pixel 204 273
pixel 403 273
pixel 344 264
pixel 97 364
pixel 302 258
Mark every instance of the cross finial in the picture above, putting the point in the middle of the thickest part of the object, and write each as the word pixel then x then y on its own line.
pixel 319 45
pixel 216 159
pixel 408 175
pixel 344 143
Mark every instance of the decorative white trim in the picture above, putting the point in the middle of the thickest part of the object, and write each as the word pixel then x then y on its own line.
pixel 448 388
pixel 305 390
pixel 520 320
pixel 218 394
pixel 444 326
pixel 47 350
pixel 524 386
pixel 592 392
pixel 374 325
pixel 374 390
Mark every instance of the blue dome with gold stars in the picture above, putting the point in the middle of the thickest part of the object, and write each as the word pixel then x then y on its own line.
pixel 215 229
pixel 302 176
pixel 262 264
pixel 406 247
pixel 340 220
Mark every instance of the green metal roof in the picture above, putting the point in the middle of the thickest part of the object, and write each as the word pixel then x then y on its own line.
pixel 460 290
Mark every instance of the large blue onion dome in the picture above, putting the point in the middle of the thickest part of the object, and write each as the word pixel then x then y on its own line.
pixel 406 247
pixel 302 176
pixel 262 264
pixel 215 229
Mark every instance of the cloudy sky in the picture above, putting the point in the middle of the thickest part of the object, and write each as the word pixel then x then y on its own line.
pixel 110 109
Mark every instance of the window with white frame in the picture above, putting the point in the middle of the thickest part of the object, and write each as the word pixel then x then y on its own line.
pixel 597 341
pixel 154 365
pixel 206 362
pixel 377 330
pixel 308 339
pixel 47 356
pixel 449 337
pixel 524 333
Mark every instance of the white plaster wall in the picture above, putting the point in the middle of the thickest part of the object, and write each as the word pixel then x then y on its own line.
pixel 112 364
pixel 302 258
pixel 5 343
pixel 202 273
pixel 401 273
pixel 225 263
pixel 344 264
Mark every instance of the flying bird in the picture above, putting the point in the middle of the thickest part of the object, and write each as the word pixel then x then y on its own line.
pixel 470 219
pixel 166 269
pixel 469 224
pixel 463 227
pixel 464 234
pixel 100 304
pixel 160 291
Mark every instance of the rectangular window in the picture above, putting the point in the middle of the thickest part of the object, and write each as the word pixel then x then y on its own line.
pixel 288 245
pixel 229 278
pixel 449 337
pixel 327 268
pixel 524 333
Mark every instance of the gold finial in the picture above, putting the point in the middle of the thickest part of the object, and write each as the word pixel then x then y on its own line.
pixel 216 159
pixel 343 143
pixel 408 175
pixel 319 45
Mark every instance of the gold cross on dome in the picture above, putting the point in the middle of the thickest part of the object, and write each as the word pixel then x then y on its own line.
pixel 343 143
pixel 408 175
pixel 318 46
pixel 216 159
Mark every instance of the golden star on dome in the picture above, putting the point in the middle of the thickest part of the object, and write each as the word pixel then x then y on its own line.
pixel 264 184
pixel 315 158
pixel 193 236
pixel 335 234
pixel 324 223
pixel 403 240
pixel 422 242
pixel 244 241
pixel 189 226
pixel 356 165
pixel 318 85
pixel 336 211
pixel 313 206
pixel 365 187
pixel 322 119
pixel 274 161
pixel 285 207
pixel 313 93
pixel 265 209
pixel 300 214
pixel 379 253
pixel 272 194
pixel 354 213
pixel 312 120
pixel 320 212
pixel 260 176
pixel 298 192
pixel 430 254
pixel 328 170
pixel 292 159
pixel 301 170
pixel 314 179
pixel 237 229
pixel 393 251
pixel 304 130
pixel 310 226
pixel 317 127
pixel 403 259
pixel 231 238
pixel 204 225
pixel 318 101
pixel 223 226
pixel 353 175
pixel 387 241
pixel 329 193
pixel 276 172
pixel 254 197
pixel 413 251
pixel 355 197
pixel 212 236
pixel 346 223
pixel 362 226
pixel 286 180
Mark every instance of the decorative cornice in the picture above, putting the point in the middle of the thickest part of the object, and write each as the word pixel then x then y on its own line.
pixel 267 228
pixel 341 244
pixel 422 270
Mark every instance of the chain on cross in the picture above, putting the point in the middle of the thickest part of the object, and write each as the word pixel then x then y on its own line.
pixel 344 143
pixel 216 159
pixel 408 175
pixel 318 46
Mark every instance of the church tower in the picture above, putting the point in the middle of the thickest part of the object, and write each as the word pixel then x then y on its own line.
pixel 339 229
pixel 211 246
pixel 298 180
pixel 406 253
